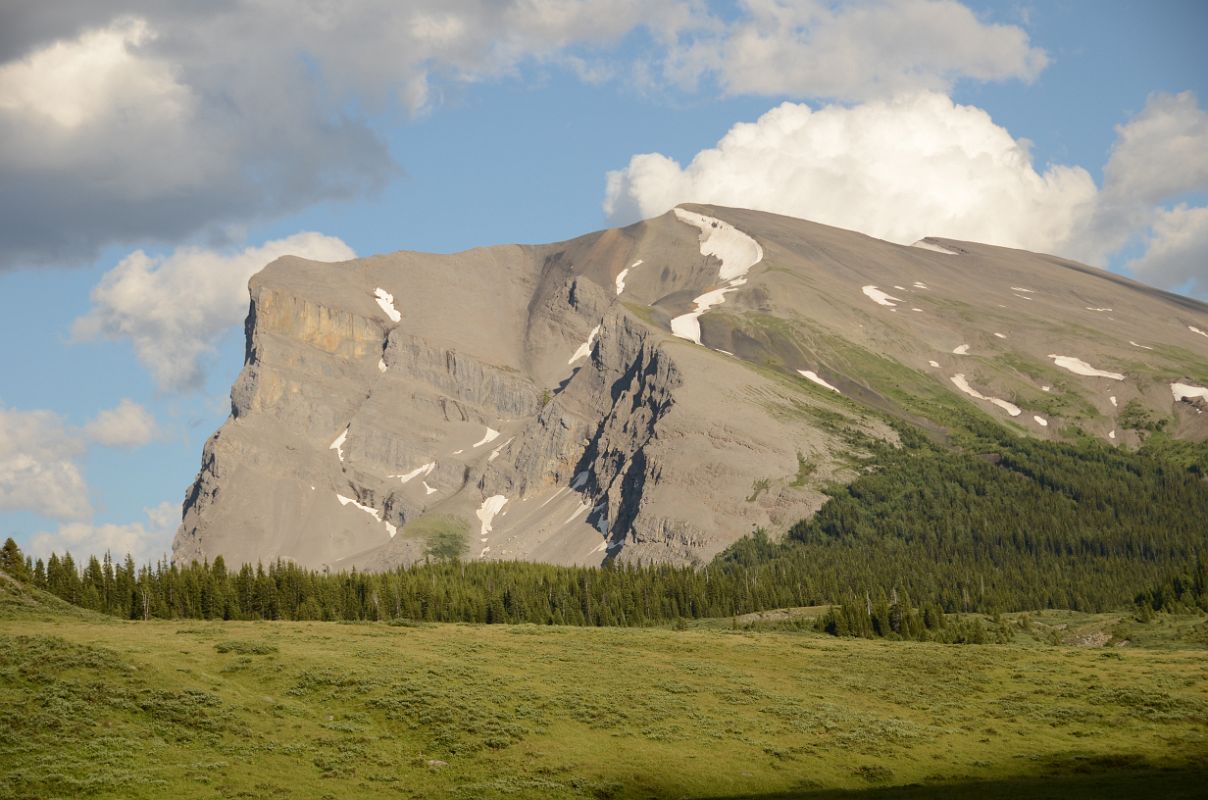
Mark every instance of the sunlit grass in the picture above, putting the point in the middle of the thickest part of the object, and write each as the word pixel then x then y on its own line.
pixel 313 710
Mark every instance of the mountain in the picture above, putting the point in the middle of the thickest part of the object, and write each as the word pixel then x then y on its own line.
pixel 653 393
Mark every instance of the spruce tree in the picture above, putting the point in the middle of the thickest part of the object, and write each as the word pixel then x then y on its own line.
pixel 12 561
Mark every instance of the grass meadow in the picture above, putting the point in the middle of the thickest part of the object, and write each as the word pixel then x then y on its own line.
pixel 94 707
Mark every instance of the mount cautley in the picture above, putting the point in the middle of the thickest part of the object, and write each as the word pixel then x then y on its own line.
pixel 651 392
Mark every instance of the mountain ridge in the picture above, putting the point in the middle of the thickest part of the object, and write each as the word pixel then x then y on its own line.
pixel 542 405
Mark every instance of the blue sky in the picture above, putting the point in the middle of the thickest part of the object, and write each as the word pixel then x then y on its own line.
pixel 180 133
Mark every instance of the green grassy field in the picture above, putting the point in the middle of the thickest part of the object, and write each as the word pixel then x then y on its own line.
pixel 103 708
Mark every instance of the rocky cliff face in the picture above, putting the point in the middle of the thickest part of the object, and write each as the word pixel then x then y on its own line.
pixel 652 392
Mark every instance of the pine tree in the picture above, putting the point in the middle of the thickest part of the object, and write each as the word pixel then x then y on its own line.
pixel 12 561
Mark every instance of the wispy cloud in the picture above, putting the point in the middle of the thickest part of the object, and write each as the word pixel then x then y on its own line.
pixel 147 540
pixel 172 309
pixel 39 465
pixel 127 424
pixel 855 51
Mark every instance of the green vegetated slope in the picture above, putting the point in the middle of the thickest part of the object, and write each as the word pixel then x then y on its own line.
pixel 988 523
pixel 101 708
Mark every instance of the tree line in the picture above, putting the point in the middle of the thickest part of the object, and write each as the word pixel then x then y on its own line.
pixel 988 523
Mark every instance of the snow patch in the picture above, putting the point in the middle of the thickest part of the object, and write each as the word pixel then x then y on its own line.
pixel 1142 346
pixel 490 436
pixel 1000 336
pixel 623 273
pixel 386 301
pixel 486 513
pixel 1041 421
pixel 935 364
pixel 1111 434
pixel 919 285
pixel 963 385
pixel 736 251
pixel 1194 329
pixel 900 288
pixel 1046 388
pixel 579 481
pixel 424 469
pixel 381 365
pixel 923 244
pixel 1021 289
pixel 373 512
pixel 495 453
pixel 1088 308
pixel 1186 391
pixel 880 298
pixel 338 444
pixel 1023 297
pixel 916 309
pixel 427 489
pixel 1113 401
pixel 809 374
pixel 1080 367
pixel 368 510
pixel 963 350
pixel 687 326
pixel 584 349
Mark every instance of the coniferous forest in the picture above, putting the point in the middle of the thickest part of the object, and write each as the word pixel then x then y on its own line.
pixel 994 524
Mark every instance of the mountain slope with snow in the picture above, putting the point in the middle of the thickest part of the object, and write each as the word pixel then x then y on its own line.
pixel 653 392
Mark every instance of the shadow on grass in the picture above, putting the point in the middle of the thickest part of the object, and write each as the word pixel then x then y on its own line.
pixel 1089 779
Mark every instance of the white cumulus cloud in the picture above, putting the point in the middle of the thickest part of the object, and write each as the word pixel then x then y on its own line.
pixel 897 169
pixel 39 469
pixel 128 424
pixel 173 308
pixel 146 541
pixel 921 165
pixel 135 129
pixel 99 74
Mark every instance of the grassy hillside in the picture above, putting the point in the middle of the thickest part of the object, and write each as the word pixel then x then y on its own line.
pixel 20 601
pixel 101 708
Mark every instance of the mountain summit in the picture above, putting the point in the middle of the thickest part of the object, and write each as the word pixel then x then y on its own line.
pixel 652 392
